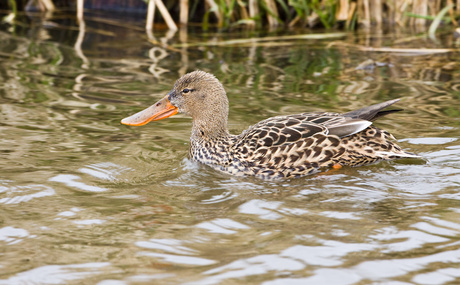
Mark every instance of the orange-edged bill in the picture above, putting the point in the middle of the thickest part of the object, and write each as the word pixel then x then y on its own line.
pixel 158 111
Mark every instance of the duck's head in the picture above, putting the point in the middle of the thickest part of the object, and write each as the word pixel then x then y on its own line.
pixel 197 94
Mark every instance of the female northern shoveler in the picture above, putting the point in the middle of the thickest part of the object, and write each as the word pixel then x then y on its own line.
pixel 278 147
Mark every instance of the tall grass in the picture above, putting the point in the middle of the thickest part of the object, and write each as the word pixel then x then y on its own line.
pixel 347 14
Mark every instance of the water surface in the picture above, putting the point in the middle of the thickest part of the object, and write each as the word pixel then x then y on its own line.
pixel 87 200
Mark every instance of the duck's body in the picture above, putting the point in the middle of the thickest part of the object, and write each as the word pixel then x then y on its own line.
pixel 294 146
pixel 278 147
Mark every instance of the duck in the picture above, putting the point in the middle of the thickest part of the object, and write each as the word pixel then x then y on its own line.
pixel 286 146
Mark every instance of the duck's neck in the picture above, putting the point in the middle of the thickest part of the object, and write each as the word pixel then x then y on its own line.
pixel 210 142
pixel 211 128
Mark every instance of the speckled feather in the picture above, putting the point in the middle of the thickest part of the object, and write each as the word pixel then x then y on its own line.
pixel 294 146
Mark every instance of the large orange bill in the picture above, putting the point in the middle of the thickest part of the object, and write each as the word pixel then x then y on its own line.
pixel 160 110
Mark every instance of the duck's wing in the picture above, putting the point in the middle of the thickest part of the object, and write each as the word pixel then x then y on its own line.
pixel 297 144
pixel 282 130
pixel 301 144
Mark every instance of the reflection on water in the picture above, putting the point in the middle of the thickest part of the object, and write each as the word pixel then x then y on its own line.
pixel 56 274
pixel 87 200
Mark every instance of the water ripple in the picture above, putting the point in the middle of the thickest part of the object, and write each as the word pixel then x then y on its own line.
pixel 252 266
pixel 12 235
pixel 412 239
pixel 437 277
pixel 27 193
pixel 56 274
pixel 222 226
pixel 69 180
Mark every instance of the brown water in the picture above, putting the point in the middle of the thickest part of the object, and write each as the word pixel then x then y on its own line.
pixel 85 200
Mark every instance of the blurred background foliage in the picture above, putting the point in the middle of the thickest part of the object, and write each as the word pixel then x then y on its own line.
pixel 344 14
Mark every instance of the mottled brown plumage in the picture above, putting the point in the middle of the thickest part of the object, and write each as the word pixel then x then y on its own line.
pixel 278 147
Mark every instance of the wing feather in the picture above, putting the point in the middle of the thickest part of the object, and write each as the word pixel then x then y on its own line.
pixel 279 131
pixel 282 130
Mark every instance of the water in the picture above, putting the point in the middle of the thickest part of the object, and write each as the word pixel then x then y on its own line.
pixel 85 200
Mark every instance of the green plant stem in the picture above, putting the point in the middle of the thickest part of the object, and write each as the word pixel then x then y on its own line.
pixel 437 21
pixel 14 7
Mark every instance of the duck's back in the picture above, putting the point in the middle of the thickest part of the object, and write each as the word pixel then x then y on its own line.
pixel 297 145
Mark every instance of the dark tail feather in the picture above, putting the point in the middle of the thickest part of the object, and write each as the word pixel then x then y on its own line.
pixel 384 113
pixel 373 112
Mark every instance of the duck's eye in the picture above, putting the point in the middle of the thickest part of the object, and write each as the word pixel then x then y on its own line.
pixel 186 90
